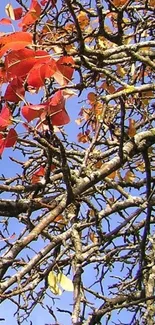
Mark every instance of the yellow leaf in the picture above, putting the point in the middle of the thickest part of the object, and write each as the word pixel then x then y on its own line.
pixel 52 282
pixel 102 42
pixel 121 71
pixel 127 39
pixel 65 282
pixel 83 19
pixel 129 89
pixel 141 167
pixel 129 176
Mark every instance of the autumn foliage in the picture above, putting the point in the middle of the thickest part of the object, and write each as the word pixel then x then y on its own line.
pixel 77 130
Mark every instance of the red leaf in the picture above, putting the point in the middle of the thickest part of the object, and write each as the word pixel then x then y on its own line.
pixel 35 6
pixel 56 110
pixel 15 91
pixel 30 112
pixel 39 72
pixel 9 141
pixel 11 138
pixel 2 144
pixel 14 41
pixel 65 70
pixel 53 2
pixel 54 107
pixel 32 15
pixel 19 63
pixel 37 175
pixel 57 100
pixel 60 118
pixel 40 172
pixel 3 77
pixel 5 21
pixel 5 118
pixel 17 13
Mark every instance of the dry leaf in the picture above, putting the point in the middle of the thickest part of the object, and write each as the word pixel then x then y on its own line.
pixel 91 97
pixel 112 175
pixel 132 128
pixel 93 237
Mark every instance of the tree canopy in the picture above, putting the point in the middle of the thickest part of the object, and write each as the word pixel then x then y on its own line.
pixel 77 209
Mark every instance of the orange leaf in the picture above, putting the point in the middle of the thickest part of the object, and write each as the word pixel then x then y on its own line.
pixel 112 175
pixel 5 21
pixel 32 15
pixel 53 2
pixel 61 222
pixel 83 137
pixel 146 96
pixel 119 3
pixel 98 164
pixel 108 87
pixel 93 237
pixel 151 3
pixel 14 41
pixel 91 97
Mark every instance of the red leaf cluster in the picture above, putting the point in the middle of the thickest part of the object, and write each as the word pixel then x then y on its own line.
pixel 54 108
pixel 24 69
pixel 33 67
